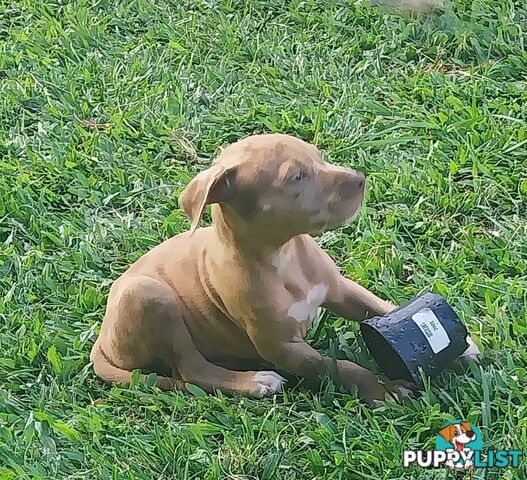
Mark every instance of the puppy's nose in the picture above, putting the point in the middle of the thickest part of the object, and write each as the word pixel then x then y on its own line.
pixel 353 184
pixel 470 434
pixel 362 179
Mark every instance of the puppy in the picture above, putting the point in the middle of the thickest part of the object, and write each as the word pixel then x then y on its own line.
pixel 209 306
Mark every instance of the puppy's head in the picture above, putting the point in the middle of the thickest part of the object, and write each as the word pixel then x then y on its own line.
pixel 458 433
pixel 277 186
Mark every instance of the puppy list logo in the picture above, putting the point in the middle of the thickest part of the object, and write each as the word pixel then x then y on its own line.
pixel 459 445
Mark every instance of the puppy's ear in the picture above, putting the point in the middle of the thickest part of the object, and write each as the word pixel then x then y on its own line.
pixel 448 433
pixel 214 185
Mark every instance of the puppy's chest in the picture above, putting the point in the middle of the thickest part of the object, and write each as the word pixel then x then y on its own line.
pixel 303 309
pixel 305 291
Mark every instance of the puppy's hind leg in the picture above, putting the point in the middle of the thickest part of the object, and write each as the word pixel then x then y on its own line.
pixel 143 323
pixel 112 374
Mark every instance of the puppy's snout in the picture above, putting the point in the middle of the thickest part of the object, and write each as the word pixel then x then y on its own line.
pixel 353 184
pixel 471 434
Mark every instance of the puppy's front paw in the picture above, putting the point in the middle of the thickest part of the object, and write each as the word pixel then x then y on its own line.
pixel 471 355
pixel 373 390
pixel 268 383
pixel 399 391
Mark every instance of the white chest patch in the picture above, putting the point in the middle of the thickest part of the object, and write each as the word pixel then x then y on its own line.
pixel 306 310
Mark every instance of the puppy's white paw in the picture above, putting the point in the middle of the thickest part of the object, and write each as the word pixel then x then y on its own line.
pixel 405 393
pixel 268 383
pixel 398 395
pixel 470 355
pixel 391 397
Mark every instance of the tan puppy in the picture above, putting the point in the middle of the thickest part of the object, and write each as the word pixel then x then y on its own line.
pixel 204 305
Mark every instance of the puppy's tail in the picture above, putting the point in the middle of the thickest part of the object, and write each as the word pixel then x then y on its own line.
pixel 112 374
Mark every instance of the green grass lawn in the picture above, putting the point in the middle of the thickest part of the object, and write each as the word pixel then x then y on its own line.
pixel 108 108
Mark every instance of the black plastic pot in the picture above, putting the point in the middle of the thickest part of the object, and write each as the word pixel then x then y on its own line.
pixel 425 333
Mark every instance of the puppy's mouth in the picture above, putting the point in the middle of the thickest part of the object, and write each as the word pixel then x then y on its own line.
pixel 334 215
pixel 346 218
pixel 319 226
pixel 351 218
pixel 459 445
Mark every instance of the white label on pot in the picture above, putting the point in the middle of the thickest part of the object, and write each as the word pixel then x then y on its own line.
pixel 432 329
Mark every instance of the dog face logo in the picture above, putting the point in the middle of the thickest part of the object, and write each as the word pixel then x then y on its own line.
pixel 459 437
pixel 458 434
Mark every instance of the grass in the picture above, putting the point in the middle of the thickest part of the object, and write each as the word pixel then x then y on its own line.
pixel 108 108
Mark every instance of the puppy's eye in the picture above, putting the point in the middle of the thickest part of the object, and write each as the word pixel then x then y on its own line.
pixel 298 176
